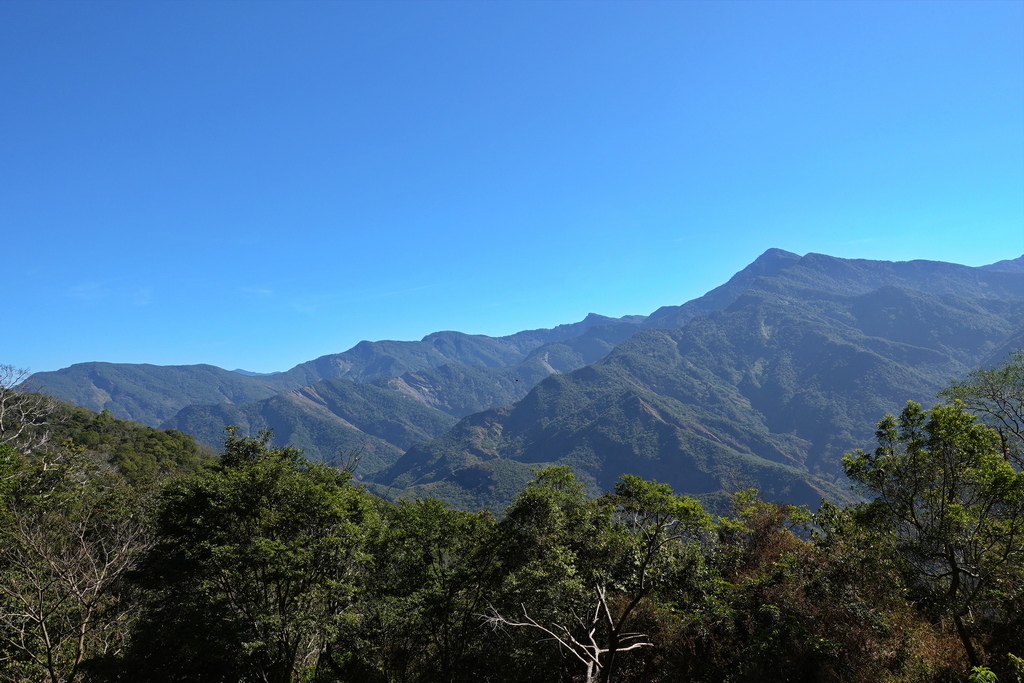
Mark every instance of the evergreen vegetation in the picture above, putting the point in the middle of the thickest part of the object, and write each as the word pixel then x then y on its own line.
pixel 763 382
pixel 129 554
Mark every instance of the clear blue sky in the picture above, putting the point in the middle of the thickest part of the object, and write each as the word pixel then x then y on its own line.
pixel 254 184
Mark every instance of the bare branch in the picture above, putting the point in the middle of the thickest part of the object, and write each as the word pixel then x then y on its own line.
pixel 595 657
pixel 23 414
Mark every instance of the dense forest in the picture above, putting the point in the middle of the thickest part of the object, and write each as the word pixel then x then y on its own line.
pixel 129 553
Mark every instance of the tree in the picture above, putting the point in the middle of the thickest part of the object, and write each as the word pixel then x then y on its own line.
pixel 635 540
pixel 73 526
pixel 657 537
pixel 23 414
pixel 70 531
pixel 997 395
pixel 254 565
pixel 953 508
pixel 430 572
pixel 550 545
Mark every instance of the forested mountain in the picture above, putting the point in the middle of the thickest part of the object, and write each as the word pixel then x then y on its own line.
pixel 129 553
pixel 769 392
pixel 383 419
pixel 367 361
pixel 330 420
pixel 764 381
pixel 1009 265
pixel 620 456
pixel 460 390
pixel 768 263
pixel 153 394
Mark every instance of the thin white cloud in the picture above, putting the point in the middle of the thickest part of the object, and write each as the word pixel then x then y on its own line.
pixel 88 291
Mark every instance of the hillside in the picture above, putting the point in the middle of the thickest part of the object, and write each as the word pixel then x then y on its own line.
pixel 769 392
pixel 330 420
pixel 153 394
pixel 764 381
pixel 460 390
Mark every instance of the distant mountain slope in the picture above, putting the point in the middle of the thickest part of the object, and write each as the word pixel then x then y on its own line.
pixel 368 361
pixel 152 394
pixel 326 418
pixel 821 273
pixel 764 381
pixel 460 390
pixel 387 416
pixel 768 392
pixel 1009 265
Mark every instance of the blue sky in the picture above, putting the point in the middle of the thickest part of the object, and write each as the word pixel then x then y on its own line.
pixel 254 184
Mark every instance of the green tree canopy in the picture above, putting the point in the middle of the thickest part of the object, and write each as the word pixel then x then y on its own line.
pixel 996 394
pixel 954 509
pixel 255 566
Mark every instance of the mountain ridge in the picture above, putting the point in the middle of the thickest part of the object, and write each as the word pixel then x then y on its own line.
pixel 764 380
pixel 153 394
pixel 794 371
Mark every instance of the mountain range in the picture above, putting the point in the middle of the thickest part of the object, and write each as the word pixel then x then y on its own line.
pixel 764 381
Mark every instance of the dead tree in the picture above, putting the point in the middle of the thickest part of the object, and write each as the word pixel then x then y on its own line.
pixel 24 415
pixel 594 637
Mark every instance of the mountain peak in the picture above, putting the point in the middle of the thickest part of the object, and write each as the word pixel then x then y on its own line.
pixel 767 264
pixel 775 254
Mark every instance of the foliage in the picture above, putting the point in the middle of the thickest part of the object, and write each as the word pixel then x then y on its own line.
pixel 596 565
pixel 953 510
pixel 997 395
pixel 127 554
pixel 431 569
pixel 70 531
pixel 982 674
pixel 254 568
pixel 141 453
pixel 75 490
